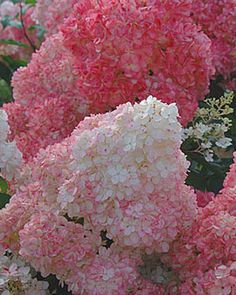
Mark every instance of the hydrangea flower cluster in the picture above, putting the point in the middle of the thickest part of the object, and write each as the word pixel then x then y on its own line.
pixel 111 176
pixel 154 42
pixel 87 69
pixel 203 259
pixel 209 126
pixel 11 28
pixel 10 156
pixel 16 278
pixel 51 105
pixel 217 19
pixel 51 13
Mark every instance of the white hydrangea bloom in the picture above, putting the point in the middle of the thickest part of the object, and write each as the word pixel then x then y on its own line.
pixel 224 142
pixel 129 158
pixel 4 128
pixel 7 8
pixel 10 156
pixel 16 278
pixel 209 127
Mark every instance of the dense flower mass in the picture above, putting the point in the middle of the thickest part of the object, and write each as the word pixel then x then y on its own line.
pixel 204 257
pixel 10 156
pixel 112 175
pixel 50 106
pixel 93 193
pixel 54 247
pixel 51 13
pixel 128 49
pixel 110 52
pixel 218 20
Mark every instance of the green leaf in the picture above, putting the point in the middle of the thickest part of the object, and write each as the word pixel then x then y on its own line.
pixel 4 199
pixel 8 21
pixel 5 72
pixel 16 1
pixel 40 31
pixel 13 42
pixel 33 2
pixel 215 183
pixel 14 64
pixel 5 92
pixel 3 185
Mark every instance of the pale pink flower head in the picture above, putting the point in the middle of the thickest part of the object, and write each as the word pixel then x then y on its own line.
pixel 209 242
pixel 56 247
pixel 121 173
pixel 218 281
pixel 112 271
pixel 121 166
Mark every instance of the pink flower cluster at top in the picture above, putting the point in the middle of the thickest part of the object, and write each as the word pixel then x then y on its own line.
pixel 108 53
pixel 15 32
pixel 51 13
pixel 218 21
pixel 112 175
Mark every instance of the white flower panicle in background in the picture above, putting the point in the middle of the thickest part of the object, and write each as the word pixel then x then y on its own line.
pixel 10 156
pixel 210 125
pixel 16 278
pixel 7 8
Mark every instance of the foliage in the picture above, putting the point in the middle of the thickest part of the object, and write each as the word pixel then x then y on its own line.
pixel 205 144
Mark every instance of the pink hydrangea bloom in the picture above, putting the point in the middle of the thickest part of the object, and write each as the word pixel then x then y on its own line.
pixel 230 180
pixel 204 256
pixel 50 108
pixel 218 20
pixel 129 49
pixel 211 241
pixel 218 281
pixel 110 272
pixel 55 247
pixel 89 70
pixel 203 198
pixel 15 215
pixel 152 135
pixel 51 13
